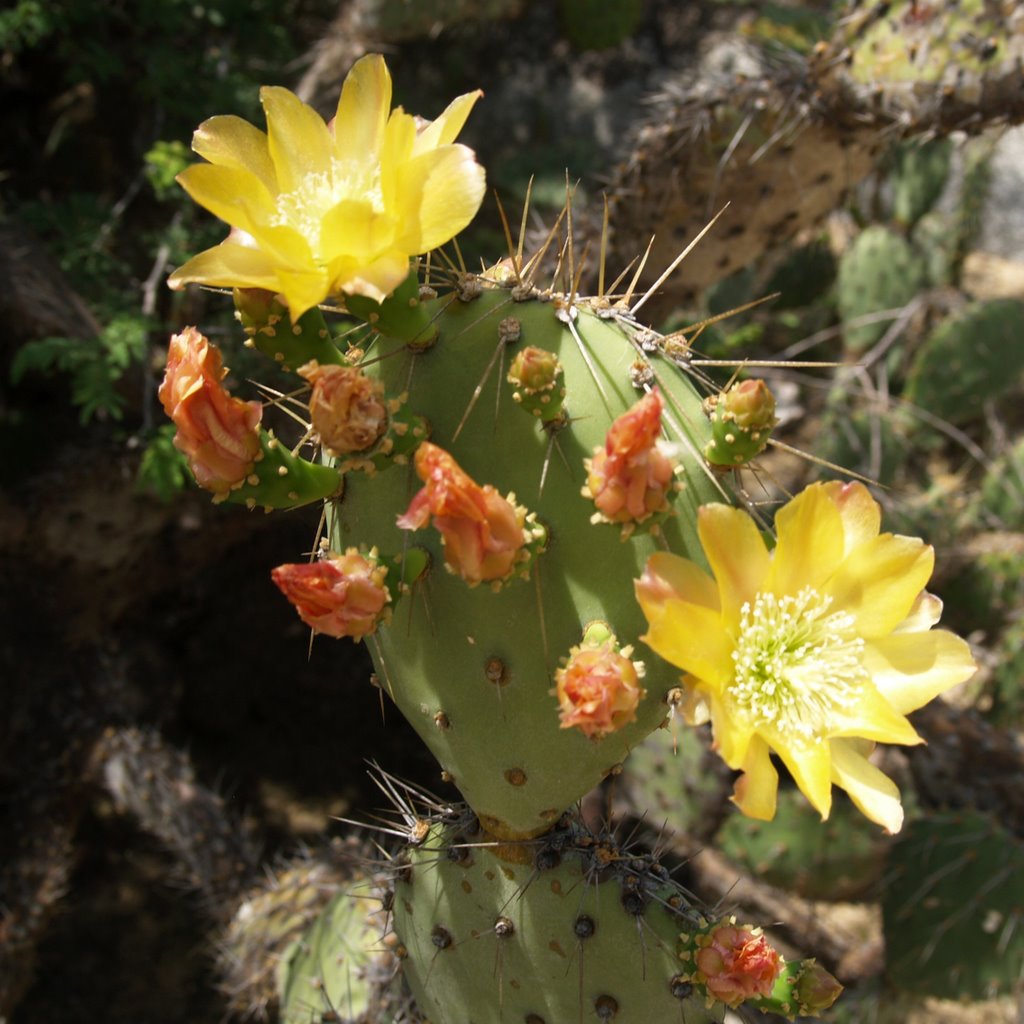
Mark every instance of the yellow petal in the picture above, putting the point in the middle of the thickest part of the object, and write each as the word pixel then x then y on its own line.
pixel 450 185
pixel 910 669
pixel 446 128
pixel 680 602
pixel 302 290
pixel 737 555
pixel 925 612
pixel 376 280
pixel 880 582
pixel 872 791
pixel 237 197
pixel 228 265
pixel 860 513
pixel 811 541
pixel 756 790
pixel 348 229
pixel 874 718
pixel 733 734
pixel 229 141
pixel 395 153
pixel 299 143
pixel 810 764
pixel 363 108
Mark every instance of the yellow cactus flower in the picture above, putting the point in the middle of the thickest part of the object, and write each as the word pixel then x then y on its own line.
pixel 813 651
pixel 325 209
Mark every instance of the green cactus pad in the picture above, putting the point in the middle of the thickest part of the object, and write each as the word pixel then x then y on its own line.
pixel 880 271
pixel 280 479
pixel 473 670
pixel 675 778
pixel 918 176
pixel 559 929
pixel 972 358
pixel 340 964
pixel 838 859
pixel 268 324
pixel 953 908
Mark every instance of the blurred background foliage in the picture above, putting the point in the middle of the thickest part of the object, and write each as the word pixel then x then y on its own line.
pixel 130 601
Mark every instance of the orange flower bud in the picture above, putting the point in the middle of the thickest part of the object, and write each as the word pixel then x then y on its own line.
pixel 482 531
pixel 218 434
pixel 598 688
pixel 346 406
pixel 340 595
pixel 629 479
pixel 737 964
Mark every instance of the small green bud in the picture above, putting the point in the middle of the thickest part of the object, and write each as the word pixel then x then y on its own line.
pixel 537 377
pixel 742 418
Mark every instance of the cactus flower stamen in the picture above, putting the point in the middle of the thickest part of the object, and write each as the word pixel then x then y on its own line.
pixel 347 408
pixel 324 209
pixel 483 532
pixel 815 651
pixel 217 433
pixel 630 478
pixel 339 595
pixel 598 688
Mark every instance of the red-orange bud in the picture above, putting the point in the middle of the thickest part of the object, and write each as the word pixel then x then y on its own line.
pixel 347 407
pixel 341 595
pixel 598 688
pixel 737 964
pixel 630 478
pixel 482 531
pixel 217 433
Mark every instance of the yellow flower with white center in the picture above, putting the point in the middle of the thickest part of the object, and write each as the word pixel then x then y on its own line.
pixel 322 209
pixel 814 651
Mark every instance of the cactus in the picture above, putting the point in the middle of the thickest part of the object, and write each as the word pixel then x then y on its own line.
pixel 952 908
pixel 571 925
pixel 917 178
pixel 835 860
pixel 880 271
pixel 969 359
pixel 503 542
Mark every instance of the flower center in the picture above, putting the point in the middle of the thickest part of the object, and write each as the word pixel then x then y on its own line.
pixel 796 664
pixel 305 207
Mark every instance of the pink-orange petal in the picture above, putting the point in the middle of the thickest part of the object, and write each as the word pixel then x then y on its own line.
pixel 737 555
pixel 229 141
pixel 298 140
pixel 880 582
pixel 756 790
pixel 810 545
pixel 363 108
pixel 875 795
pixel 911 669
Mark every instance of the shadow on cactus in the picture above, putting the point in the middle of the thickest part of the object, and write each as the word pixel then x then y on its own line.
pixel 501 460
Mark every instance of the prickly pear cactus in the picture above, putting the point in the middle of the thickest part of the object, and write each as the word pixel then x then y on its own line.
pixel 969 359
pixel 952 908
pixel 881 271
pixel 520 486
pixel 472 667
